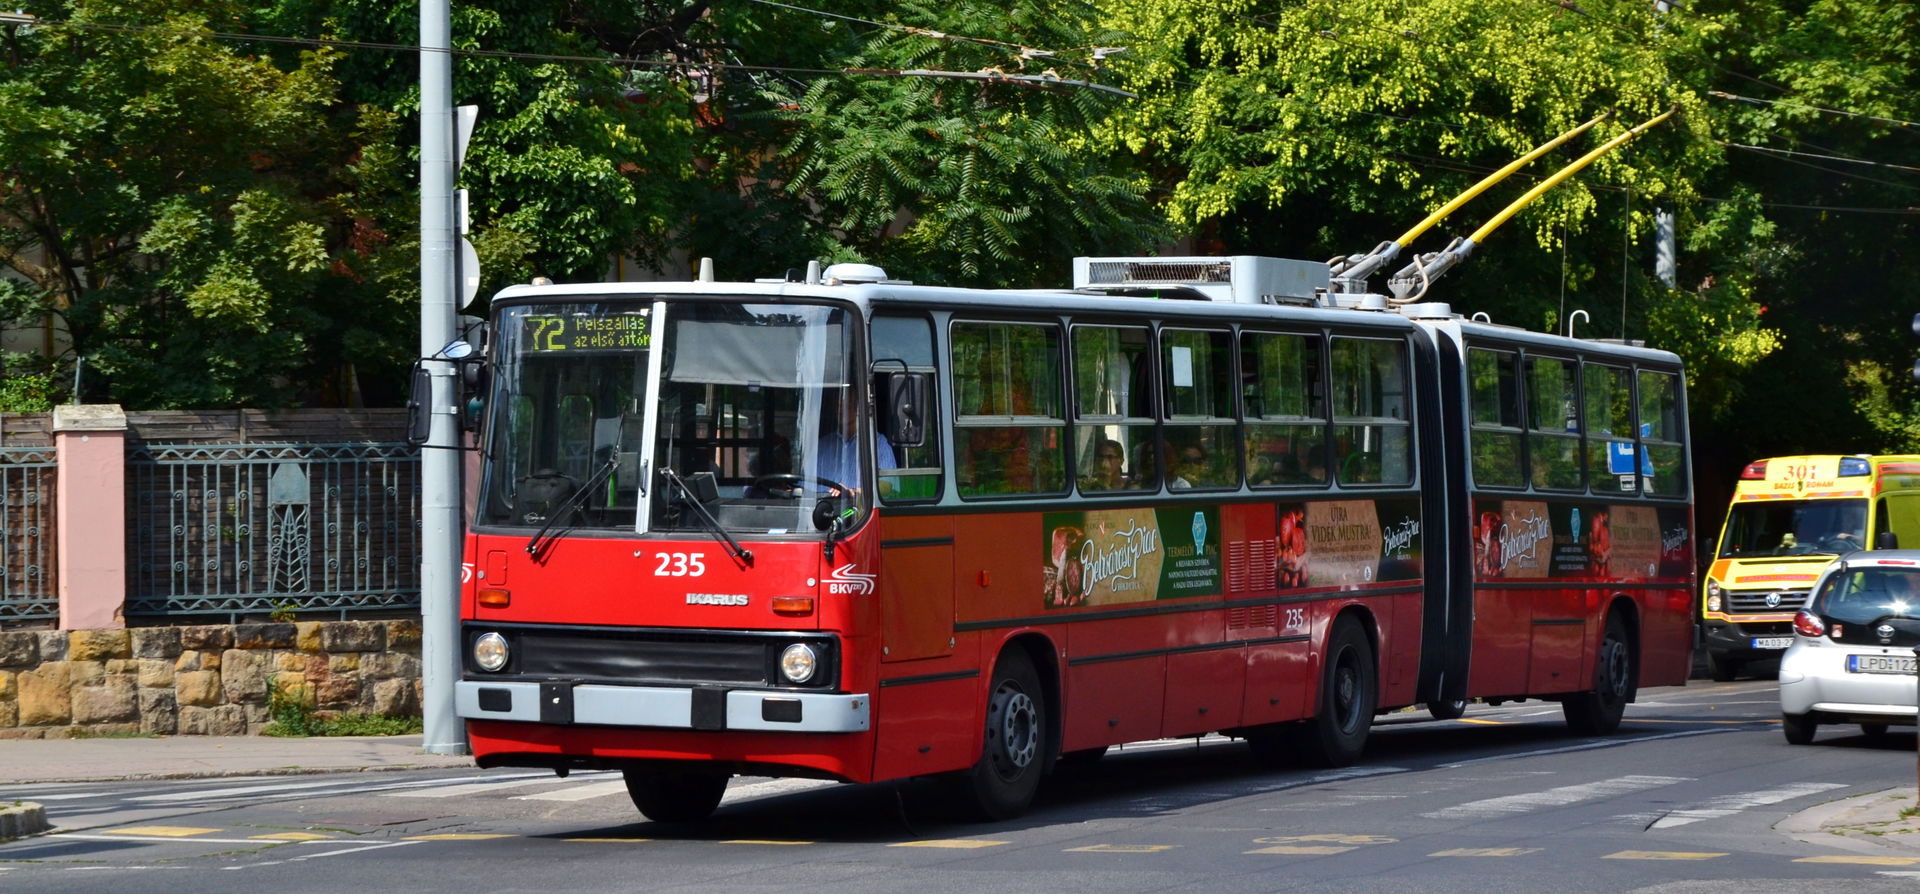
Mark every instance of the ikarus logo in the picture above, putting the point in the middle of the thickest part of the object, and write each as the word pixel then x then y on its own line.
pixel 846 580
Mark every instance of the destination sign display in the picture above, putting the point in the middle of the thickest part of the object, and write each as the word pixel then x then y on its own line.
pixel 576 333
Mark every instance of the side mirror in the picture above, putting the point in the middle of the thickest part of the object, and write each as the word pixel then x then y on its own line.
pixel 420 407
pixel 1886 540
pixel 909 395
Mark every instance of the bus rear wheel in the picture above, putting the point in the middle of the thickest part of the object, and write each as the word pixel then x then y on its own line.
pixel 1013 745
pixel 675 797
pixel 1597 712
pixel 1337 734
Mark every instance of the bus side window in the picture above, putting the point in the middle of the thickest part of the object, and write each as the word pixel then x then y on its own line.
pixel 1286 409
pixel 1608 409
pixel 1372 419
pixel 1009 423
pixel 1553 424
pixel 915 472
pixel 1662 455
pixel 1113 422
pixel 1202 449
pixel 1493 405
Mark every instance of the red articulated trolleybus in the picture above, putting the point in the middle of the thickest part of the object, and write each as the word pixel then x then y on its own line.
pixel 843 527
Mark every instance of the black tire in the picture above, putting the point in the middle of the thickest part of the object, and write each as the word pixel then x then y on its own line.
pixel 1721 668
pixel 1597 712
pixel 1875 731
pixel 1453 710
pixel 1013 747
pixel 1799 728
pixel 1337 733
pixel 668 797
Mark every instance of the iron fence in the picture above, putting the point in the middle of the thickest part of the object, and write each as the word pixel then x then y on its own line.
pixel 27 589
pixel 272 529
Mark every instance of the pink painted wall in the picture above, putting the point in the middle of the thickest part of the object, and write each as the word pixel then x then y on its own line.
pixel 89 442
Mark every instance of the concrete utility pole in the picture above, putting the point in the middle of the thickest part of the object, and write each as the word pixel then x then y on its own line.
pixel 440 460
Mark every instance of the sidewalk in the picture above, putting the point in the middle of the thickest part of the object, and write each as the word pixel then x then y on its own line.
pixel 1881 822
pixel 24 761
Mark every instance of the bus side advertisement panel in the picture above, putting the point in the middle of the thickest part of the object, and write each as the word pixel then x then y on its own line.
pixel 1118 556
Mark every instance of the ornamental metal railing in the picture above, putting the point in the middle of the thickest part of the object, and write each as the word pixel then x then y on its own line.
pixel 27 589
pixel 275 530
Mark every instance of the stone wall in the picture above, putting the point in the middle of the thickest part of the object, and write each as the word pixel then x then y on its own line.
pixel 210 680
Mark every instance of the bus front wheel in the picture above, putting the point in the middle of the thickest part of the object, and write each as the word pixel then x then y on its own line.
pixel 1336 734
pixel 1597 712
pixel 1013 745
pixel 667 797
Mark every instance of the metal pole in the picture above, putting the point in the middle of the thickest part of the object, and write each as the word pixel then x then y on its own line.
pixel 439 464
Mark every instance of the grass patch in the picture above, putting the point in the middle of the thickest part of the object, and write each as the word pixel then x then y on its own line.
pixel 293 716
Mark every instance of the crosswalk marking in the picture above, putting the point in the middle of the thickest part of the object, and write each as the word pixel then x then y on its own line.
pixel 1304 849
pixel 1485 852
pixel 471 788
pixel 457 836
pixel 1660 855
pixel 578 792
pixel 1120 848
pixel 955 843
pixel 161 831
pixel 1728 805
pixel 1553 797
pixel 295 836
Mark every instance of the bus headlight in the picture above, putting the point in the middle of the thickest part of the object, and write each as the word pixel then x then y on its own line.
pixel 490 652
pixel 798 662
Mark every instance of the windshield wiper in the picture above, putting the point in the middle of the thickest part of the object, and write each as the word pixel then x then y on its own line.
pixel 567 506
pixel 706 518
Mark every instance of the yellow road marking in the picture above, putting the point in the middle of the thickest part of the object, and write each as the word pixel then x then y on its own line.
pixel 1483 720
pixel 162 831
pixel 1660 855
pixel 763 841
pixel 1120 848
pixel 294 836
pixel 1485 852
pixel 1862 860
pixel 1303 849
pixel 455 836
pixel 957 843
pixel 1335 837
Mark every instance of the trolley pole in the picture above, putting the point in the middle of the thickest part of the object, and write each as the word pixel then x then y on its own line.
pixel 439 461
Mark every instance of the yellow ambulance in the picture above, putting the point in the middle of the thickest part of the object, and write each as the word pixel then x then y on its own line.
pixel 1790 517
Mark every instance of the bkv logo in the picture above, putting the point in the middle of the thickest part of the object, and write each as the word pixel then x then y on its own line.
pixel 846 580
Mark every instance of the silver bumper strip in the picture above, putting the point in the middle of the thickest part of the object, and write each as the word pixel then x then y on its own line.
pixel 669 707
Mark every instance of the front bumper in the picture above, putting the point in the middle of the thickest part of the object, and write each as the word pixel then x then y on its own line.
pixel 663 707
pixel 1735 639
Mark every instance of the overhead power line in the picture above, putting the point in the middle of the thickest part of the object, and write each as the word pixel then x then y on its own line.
pixel 1718 94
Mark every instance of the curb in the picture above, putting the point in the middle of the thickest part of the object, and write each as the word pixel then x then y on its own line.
pixel 22 818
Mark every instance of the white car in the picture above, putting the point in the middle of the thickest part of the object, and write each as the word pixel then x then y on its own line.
pixel 1852 658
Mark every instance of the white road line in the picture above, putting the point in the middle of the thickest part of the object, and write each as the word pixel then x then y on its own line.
pixel 1588 746
pixel 471 788
pixel 772 788
pixel 354 850
pixel 578 792
pixel 1728 805
pixel 1554 797
pixel 344 787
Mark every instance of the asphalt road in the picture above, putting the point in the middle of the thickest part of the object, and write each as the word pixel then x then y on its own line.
pixel 1684 799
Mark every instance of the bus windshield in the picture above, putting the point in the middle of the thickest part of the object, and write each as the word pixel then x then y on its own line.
pixel 1794 528
pixel 754 423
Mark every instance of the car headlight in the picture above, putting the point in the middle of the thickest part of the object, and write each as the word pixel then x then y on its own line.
pixel 798 662
pixel 490 652
pixel 1713 595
